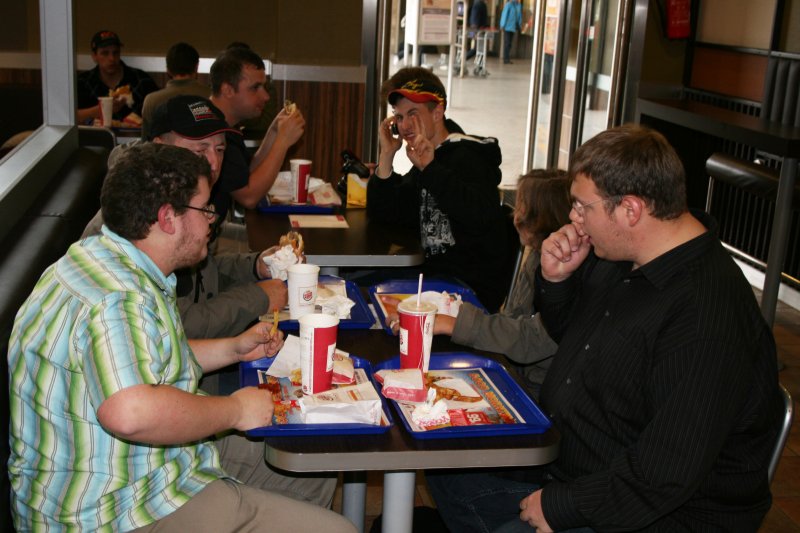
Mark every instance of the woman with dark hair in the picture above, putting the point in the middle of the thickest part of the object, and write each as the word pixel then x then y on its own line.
pixel 542 207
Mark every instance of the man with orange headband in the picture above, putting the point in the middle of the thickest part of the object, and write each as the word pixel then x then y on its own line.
pixel 450 194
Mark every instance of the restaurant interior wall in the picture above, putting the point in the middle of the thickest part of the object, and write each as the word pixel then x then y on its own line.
pixel 306 37
pixel 725 65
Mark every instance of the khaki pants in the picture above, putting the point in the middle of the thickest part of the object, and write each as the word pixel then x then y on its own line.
pixel 269 500
pixel 225 506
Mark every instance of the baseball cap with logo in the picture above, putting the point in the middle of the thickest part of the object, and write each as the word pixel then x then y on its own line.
pixel 105 38
pixel 193 117
pixel 419 91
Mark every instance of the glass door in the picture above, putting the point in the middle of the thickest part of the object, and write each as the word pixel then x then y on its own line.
pixel 577 62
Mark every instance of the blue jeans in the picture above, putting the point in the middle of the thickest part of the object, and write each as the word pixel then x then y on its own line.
pixel 477 501
pixel 508 37
pixel 481 502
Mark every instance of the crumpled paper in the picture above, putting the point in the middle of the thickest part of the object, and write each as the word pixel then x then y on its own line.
pixel 445 302
pixel 430 413
pixel 280 261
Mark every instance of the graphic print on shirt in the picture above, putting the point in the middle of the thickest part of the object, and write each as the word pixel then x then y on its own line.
pixel 435 230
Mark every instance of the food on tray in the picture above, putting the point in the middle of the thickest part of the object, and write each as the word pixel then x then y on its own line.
pixel 452 389
pixel 447 303
pixel 343 370
pixel 289 106
pixel 405 385
pixel 132 121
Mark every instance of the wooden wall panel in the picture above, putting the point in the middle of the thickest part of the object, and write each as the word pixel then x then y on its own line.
pixel 736 74
pixel 334 114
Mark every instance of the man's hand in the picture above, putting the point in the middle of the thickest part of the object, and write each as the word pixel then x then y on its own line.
pixel 290 127
pixel 531 508
pixel 276 291
pixel 563 252
pixel 392 319
pixel 389 143
pixel 258 342
pixel 420 149
pixel 255 408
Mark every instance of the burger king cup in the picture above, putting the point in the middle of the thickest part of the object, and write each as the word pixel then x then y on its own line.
pixel 416 333
pixel 317 344
pixel 106 109
pixel 301 170
pixel 302 287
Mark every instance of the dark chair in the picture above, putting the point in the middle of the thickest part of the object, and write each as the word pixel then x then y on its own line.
pixel 783 434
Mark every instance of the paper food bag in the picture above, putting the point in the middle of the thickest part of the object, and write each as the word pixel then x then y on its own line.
pixel 356 191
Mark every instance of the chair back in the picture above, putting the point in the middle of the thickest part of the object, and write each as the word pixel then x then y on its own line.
pixel 783 434
pixel 781 102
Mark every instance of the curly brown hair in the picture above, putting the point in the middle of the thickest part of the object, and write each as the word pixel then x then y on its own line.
pixel 144 178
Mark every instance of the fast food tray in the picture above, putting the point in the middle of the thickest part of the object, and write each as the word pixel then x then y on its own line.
pixel 360 315
pixel 535 420
pixel 248 376
pixel 409 286
pixel 294 209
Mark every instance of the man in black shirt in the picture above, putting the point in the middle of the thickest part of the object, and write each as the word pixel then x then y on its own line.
pixel 109 74
pixel 664 386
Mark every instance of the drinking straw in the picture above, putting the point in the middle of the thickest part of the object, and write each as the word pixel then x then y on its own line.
pixel 419 289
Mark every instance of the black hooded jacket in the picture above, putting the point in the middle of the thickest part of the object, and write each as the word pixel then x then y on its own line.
pixel 455 205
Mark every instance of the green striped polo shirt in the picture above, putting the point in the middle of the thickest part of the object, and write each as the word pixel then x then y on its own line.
pixel 100 319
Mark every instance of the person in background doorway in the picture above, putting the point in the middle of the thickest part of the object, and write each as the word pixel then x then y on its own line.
pixel 510 23
pixel 478 18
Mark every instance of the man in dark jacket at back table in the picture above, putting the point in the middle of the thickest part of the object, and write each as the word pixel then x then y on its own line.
pixel 451 192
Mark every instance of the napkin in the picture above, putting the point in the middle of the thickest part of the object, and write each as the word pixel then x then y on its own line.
pixel 446 303
pixel 431 414
pixel 280 261
pixel 288 359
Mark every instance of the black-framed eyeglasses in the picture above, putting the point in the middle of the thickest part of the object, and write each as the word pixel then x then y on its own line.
pixel 209 211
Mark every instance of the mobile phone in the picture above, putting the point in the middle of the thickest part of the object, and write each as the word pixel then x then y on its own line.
pixel 394 129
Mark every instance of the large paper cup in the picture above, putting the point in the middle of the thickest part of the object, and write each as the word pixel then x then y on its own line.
pixel 301 170
pixel 302 286
pixel 317 344
pixel 416 333
pixel 106 110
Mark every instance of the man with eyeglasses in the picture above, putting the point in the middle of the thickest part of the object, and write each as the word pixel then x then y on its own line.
pixel 664 387
pixel 109 431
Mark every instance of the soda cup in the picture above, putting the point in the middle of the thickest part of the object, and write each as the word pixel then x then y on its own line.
pixel 416 333
pixel 317 344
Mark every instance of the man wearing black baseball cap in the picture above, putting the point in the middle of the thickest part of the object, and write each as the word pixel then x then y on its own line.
pixel 450 194
pixel 226 292
pixel 109 75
